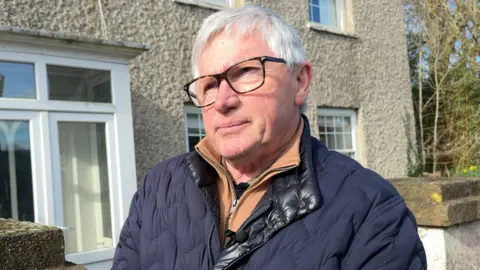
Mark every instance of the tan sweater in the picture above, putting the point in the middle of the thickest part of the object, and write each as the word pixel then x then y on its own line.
pixel 290 158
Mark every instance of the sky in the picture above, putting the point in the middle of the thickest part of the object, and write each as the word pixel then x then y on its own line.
pixel 18 80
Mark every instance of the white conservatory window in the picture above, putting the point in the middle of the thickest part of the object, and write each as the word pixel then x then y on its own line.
pixel 63 116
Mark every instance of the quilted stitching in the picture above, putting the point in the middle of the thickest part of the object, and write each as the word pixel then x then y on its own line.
pixel 170 222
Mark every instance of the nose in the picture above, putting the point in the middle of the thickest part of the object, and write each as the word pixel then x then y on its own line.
pixel 226 98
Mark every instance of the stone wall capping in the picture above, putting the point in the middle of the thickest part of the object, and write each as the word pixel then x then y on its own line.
pixel 26 245
pixel 441 201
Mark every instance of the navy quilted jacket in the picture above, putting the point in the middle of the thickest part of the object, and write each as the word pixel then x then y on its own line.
pixel 328 213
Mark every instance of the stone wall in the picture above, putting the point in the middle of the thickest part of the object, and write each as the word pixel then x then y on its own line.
pixel 26 245
pixel 448 214
pixel 455 247
pixel 462 244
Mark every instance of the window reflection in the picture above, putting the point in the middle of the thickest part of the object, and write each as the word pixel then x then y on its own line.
pixel 17 80
pixel 78 84
pixel 195 129
pixel 16 193
pixel 85 190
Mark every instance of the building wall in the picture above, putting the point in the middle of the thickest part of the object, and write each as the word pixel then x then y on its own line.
pixel 368 72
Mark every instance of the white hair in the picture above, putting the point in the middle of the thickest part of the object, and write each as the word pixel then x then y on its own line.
pixel 282 39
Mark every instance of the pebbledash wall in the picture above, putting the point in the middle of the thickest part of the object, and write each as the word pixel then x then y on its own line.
pixel 362 66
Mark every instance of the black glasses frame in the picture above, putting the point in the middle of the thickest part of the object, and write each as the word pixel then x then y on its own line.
pixel 223 76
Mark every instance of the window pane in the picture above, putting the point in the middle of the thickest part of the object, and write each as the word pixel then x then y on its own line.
pixel 192 124
pixel 78 84
pixel 192 141
pixel 85 189
pixel 348 140
pixel 195 128
pixel 16 193
pixel 17 80
pixel 315 14
pixel 347 124
pixel 329 123
pixel 338 124
pixel 321 124
pixel 315 2
pixel 339 141
pixel 328 12
pixel 331 141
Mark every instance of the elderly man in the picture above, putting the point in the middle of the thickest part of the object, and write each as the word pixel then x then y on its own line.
pixel 259 192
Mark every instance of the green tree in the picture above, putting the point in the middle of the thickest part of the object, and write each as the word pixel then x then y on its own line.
pixel 444 56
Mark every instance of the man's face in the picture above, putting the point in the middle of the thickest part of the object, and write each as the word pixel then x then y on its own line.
pixel 255 123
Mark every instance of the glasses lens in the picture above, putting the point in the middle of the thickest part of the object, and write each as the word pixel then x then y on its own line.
pixel 203 91
pixel 246 76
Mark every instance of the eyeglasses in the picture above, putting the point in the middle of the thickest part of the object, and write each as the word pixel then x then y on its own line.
pixel 243 77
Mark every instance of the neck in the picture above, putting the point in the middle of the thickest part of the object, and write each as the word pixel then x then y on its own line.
pixel 245 168
pixel 243 172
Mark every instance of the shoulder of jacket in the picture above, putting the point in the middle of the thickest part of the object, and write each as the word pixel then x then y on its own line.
pixel 344 174
pixel 164 170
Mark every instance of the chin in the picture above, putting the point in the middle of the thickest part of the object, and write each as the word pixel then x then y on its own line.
pixel 233 153
pixel 234 150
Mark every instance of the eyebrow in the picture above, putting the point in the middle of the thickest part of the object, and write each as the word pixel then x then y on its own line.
pixel 227 65
pixel 222 69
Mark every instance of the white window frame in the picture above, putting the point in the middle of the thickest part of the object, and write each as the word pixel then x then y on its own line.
pixel 114 190
pixel 188 108
pixel 36 142
pixel 209 3
pixel 340 16
pixel 42 114
pixel 353 121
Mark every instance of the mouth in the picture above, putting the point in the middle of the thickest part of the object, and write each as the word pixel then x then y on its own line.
pixel 231 126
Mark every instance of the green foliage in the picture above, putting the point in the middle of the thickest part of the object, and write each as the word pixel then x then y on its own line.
pixel 470 171
pixel 444 54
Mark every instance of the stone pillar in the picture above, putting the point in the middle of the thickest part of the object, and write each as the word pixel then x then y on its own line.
pixel 448 214
pixel 26 245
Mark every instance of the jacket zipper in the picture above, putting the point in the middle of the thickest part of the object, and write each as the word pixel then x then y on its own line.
pixel 210 253
pixel 258 211
pixel 231 211
pixel 230 188
pixel 236 200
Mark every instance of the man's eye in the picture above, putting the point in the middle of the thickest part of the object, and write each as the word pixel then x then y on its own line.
pixel 249 69
pixel 246 71
pixel 209 86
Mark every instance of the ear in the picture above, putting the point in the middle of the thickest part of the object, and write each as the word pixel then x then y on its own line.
pixel 303 78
